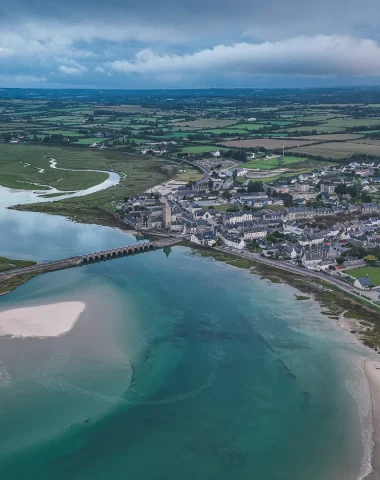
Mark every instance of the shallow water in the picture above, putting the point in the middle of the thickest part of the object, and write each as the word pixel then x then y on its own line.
pixel 180 367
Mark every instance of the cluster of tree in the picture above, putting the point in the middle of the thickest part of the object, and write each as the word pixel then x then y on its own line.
pixel 255 186
pixel 238 155
pixel 275 237
pixel 54 138
pixel 343 189
pixel 361 252
pixel 197 136
pixel 287 199
pixel 363 157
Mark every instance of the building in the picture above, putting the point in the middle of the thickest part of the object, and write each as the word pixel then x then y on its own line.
pixel 363 283
pixel 312 258
pixel 294 213
pixel 238 217
pixel 155 222
pixel 302 187
pixel 254 233
pixel 327 188
pixel 167 215
pixel 233 241
pixel 206 239
pixel 369 208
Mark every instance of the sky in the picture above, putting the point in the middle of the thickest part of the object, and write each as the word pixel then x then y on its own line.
pixel 189 43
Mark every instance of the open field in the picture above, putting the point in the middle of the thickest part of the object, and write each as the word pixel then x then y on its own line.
pixel 353 122
pixel 373 273
pixel 333 137
pixel 188 174
pixel 250 126
pixel 318 128
pixel 90 141
pixel 206 123
pixel 220 131
pixel 201 149
pixel 273 163
pixel 338 149
pixel 368 141
pixel 66 133
pixel 270 143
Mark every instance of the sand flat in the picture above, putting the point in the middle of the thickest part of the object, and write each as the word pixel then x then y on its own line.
pixel 49 320
pixel 372 370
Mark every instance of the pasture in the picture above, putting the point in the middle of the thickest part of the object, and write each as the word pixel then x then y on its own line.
pixel 332 137
pixel 251 126
pixel 206 123
pixel 270 143
pixel 338 149
pixel 373 273
pixel 201 149
pixel 90 141
pixel 273 163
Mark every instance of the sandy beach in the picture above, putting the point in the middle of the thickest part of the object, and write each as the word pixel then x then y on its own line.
pixel 372 370
pixel 41 321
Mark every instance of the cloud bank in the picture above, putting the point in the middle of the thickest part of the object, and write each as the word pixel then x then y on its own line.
pixel 314 56
pixel 125 44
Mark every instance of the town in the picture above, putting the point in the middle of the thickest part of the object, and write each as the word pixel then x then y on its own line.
pixel 323 220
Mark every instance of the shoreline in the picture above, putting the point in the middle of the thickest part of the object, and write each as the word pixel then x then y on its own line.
pixel 372 371
pixel 42 321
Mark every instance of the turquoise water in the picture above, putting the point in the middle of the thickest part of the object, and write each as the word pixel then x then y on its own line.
pixel 180 367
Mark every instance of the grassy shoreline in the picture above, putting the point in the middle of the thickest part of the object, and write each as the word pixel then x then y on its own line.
pixel 9 264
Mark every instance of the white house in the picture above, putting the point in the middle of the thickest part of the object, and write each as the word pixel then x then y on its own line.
pixel 233 242
pixel 239 217
pixel 363 283
pixel 254 233
pixel 207 238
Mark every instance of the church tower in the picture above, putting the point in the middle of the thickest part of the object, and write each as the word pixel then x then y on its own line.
pixel 167 215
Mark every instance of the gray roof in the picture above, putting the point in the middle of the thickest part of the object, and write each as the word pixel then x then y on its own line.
pixel 365 281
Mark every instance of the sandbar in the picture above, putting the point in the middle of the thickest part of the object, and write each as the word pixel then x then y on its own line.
pixel 49 320
pixel 372 370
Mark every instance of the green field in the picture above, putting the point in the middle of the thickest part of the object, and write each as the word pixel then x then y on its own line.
pixel 90 141
pixel 9 264
pixel 206 123
pixel 373 272
pixel 220 131
pixel 353 122
pixel 250 126
pixel 16 173
pixel 273 163
pixel 62 118
pixel 202 149
pixel 66 133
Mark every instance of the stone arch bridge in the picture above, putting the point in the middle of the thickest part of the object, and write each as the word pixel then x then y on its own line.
pixel 130 249
pixel 88 258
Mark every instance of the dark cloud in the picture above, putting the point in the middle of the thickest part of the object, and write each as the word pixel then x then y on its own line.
pixel 103 42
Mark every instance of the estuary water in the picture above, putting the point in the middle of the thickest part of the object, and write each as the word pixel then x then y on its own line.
pixel 180 368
